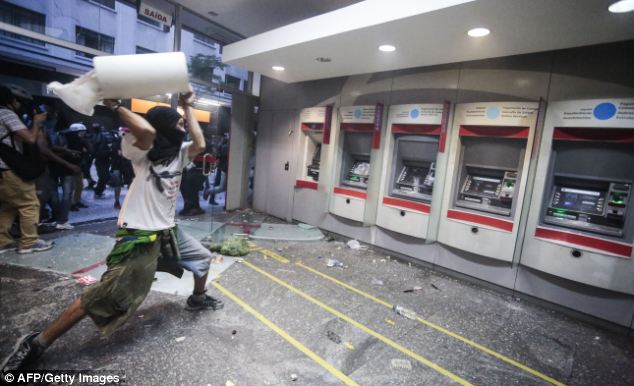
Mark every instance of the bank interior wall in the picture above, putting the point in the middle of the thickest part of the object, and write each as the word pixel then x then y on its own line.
pixel 603 71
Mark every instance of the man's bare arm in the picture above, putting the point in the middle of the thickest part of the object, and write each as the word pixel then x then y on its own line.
pixel 47 152
pixel 30 135
pixel 139 127
pixel 195 132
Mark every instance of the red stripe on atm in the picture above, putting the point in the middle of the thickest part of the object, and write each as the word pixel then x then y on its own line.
pixel 401 128
pixel 482 220
pixel 586 241
pixel 316 127
pixel 306 184
pixel 591 134
pixel 376 140
pixel 362 127
pixel 407 204
pixel 494 131
pixel 351 193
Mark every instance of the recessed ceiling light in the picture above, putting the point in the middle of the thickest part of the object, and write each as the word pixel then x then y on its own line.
pixel 278 68
pixel 478 32
pixel 387 48
pixel 622 6
pixel 323 59
pixel 212 13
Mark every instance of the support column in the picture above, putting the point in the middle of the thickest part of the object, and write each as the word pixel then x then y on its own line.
pixel 241 148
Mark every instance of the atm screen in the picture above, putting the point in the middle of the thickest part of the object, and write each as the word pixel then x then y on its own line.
pixel 412 176
pixel 313 168
pixel 488 189
pixel 415 181
pixel 358 174
pixel 359 170
pixel 587 201
pixel 484 186
pixel 590 205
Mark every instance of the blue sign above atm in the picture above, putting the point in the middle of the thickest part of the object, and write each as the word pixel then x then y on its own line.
pixel 616 113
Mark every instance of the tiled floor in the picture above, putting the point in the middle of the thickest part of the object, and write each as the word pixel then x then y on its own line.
pixel 291 319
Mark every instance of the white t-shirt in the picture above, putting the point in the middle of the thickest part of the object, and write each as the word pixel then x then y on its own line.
pixel 145 207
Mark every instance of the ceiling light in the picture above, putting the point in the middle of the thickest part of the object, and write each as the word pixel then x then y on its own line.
pixel 278 68
pixel 387 48
pixel 622 6
pixel 212 13
pixel 478 32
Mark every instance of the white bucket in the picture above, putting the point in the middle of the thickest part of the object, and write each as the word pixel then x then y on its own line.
pixel 123 77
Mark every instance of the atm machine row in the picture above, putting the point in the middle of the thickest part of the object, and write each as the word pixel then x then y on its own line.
pixel 580 223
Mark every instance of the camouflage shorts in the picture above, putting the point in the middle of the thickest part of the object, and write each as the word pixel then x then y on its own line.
pixel 122 288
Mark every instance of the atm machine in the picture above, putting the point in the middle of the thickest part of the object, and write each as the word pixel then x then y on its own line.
pixel 486 177
pixel 358 145
pixel 581 223
pixel 409 171
pixel 314 131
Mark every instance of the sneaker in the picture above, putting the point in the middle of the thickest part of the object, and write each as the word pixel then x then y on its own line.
pixel 81 205
pixel 39 246
pixel 117 205
pixel 208 302
pixel 74 208
pixel 48 223
pixel 9 247
pixel 64 226
pixel 24 353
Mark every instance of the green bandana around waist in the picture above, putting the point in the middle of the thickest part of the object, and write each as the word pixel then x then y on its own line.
pixel 127 240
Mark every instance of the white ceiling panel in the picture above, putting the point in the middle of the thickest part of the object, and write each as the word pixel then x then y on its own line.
pixel 425 33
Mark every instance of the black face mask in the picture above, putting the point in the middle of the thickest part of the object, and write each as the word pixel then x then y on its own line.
pixel 169 138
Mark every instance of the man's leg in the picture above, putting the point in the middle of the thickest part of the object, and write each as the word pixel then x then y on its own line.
pixel 70 317
pixel 195 258
pixel 65 202
pixel 78 185
pixel 32 346
pixel 103 174
pixel 7 211
pixel 20 197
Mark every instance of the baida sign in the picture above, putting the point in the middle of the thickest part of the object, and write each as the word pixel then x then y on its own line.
pixel 155 14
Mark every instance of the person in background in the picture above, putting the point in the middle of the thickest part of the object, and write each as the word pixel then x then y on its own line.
pixel 43 183
pixel 193 180
pixel 116 169
pixel 62 170
pixel 89 157
pixel 103 141
pixel 18 198
pixel 220 175
pixel 148 238
pixel 75 136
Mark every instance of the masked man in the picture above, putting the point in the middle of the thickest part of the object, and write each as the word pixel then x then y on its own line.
pixel 147 238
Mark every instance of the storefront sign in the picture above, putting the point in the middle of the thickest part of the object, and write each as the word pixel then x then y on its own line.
pixel 155 14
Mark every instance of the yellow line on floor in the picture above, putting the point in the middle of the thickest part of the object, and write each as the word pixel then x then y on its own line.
pixel 274 255
pixel 360 326
pixel 330 368
pixel 439 328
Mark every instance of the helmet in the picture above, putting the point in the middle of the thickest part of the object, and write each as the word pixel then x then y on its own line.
pixel 20 92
